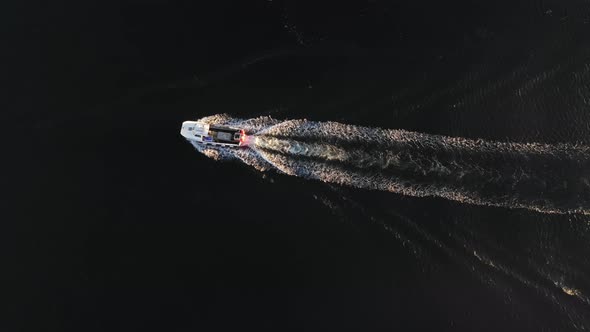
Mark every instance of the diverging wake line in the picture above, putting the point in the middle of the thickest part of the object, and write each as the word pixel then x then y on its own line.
pixel 541 177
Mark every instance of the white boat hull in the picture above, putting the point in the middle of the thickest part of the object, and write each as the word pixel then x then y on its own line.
pixel 207 134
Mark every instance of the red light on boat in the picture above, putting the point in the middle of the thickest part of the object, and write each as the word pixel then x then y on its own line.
pixel 242 136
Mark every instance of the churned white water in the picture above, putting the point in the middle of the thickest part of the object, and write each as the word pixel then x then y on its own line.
pixel 540 177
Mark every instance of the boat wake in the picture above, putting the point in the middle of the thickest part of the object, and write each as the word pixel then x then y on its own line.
pixel 545 178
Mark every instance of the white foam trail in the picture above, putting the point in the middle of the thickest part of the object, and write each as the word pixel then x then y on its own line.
pixel 540 177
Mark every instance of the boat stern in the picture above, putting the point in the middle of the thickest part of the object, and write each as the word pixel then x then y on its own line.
pixel 245 140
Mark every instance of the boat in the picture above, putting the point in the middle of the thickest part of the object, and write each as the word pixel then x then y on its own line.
pixel 209 134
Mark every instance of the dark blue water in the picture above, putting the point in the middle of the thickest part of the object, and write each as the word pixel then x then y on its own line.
pixel 121 225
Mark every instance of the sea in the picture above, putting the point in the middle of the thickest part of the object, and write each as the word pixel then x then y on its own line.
pixel 120 224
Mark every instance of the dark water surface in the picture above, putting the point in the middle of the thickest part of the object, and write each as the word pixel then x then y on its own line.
pixel 121 226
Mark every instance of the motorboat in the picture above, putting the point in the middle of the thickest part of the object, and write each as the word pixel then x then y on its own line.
pixel 210 134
